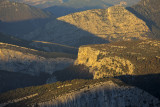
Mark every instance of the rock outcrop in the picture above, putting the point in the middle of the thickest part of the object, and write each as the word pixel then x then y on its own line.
pixel 121 58
pixel 25 62
pixel 113 24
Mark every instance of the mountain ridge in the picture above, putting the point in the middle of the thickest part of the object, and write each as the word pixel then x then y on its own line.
pixel 15 10
pixel 13 17
pixel 101 24
pixel 115 19
pixel 30 61
pixel 77 92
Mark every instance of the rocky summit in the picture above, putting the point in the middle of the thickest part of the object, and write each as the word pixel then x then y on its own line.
pixel 121 58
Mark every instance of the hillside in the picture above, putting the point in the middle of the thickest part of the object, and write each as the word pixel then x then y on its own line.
pixel 93 27
pixel 149 10
pixel 30 61
pixel 98 93
pixel 13 17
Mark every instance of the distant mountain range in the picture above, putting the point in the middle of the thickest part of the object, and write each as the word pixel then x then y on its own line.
pixel 18 18
pixel 64 7
pixel 76 3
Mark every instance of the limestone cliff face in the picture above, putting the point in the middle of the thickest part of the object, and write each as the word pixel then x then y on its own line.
pixel 105 66
pixel 121 58
pixel 92 27
pixel 17 61
pixel 107 94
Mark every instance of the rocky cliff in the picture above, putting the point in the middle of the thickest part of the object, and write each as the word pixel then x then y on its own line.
pixel 20 59
pixel 112 93
pixel 93 26
pixel 121 58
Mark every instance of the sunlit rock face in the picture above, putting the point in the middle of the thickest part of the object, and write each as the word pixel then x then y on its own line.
pixel 17 61
pixel 114 24
pixel 121 58
pixel 107 94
